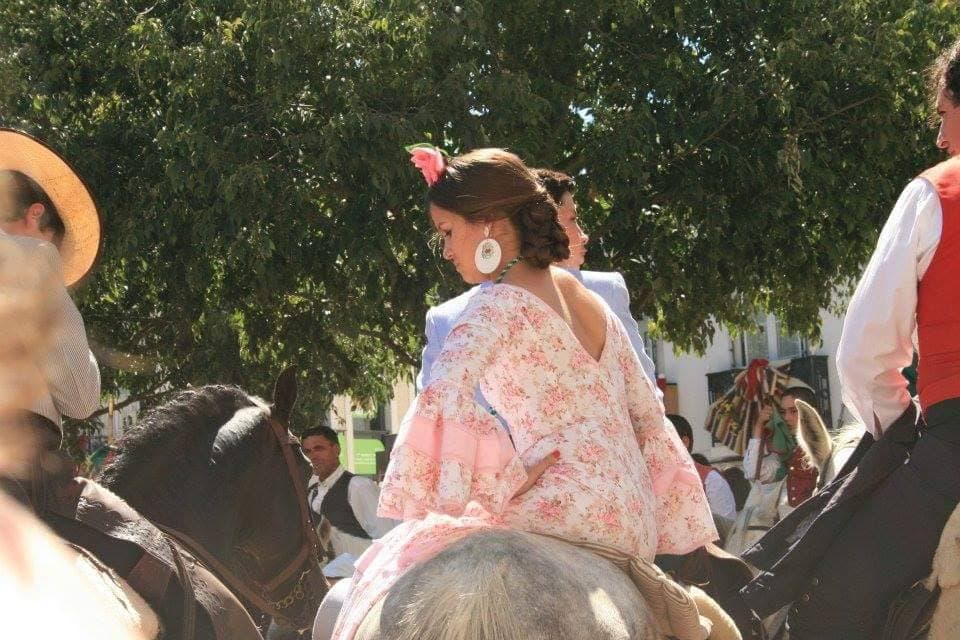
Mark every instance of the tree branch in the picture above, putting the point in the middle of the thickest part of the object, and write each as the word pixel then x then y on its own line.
pixel 853 105
pixel 398 351
pixel 143 397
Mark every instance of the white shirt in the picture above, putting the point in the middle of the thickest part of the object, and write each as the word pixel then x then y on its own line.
pixel 720 496
pixel 67 370
pixel 879 331
pixel 362 495
pixel 769 465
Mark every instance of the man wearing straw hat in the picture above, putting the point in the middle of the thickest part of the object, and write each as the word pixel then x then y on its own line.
pixel 48 219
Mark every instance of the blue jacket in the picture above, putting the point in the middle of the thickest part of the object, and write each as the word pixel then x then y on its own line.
pixel 609 285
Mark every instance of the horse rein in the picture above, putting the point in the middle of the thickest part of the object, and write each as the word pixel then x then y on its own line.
pixel 306 560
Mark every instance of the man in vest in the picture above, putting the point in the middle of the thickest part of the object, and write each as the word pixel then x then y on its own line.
pixel 910 285
pixel 347 501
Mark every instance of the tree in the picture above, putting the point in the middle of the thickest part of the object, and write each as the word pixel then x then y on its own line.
pixel 260 210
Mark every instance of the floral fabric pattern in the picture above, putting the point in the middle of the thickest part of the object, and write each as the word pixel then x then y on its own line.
pixel 623 479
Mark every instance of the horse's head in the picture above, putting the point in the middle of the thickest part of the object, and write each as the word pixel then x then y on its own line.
pixel 219 469
pixel 826 451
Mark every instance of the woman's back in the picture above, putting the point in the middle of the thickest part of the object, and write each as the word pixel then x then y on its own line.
pixel 557 396
pixel 582 311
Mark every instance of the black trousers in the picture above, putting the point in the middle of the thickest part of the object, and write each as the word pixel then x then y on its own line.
pixel 889 543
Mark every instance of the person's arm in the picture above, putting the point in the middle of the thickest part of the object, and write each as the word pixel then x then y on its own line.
pixel 68 366
pixel 363 495
pixel 620 303
pixel 877 338
pixel 450 451
pixel 430 351
pixel 720 496
pixel 683 517
pixel 770 463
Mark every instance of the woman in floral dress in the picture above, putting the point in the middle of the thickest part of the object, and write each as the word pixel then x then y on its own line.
pixel 592 458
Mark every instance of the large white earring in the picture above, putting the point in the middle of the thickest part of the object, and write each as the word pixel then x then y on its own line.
pixel 488 254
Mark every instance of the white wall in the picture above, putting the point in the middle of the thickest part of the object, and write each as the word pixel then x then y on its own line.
pixel 830 327
pixel 689 372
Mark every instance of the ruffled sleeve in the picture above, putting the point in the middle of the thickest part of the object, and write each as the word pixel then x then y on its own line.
pixel 684 521
pixel 450 451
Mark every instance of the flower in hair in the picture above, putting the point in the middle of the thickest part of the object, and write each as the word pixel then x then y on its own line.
pixel 430 160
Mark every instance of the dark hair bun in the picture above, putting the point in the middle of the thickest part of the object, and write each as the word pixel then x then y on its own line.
pixel 542 240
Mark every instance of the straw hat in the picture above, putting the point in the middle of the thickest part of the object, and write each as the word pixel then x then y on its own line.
pixel 80 247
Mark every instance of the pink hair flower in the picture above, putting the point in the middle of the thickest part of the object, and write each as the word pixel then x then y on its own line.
pixel 429 160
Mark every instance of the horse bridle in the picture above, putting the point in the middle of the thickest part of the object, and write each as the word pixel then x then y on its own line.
pixel 306 561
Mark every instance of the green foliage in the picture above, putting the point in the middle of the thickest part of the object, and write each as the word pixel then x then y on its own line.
pixel 261 211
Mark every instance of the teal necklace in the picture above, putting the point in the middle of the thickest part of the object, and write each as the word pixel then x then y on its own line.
pixel 499 280
pixel 509 265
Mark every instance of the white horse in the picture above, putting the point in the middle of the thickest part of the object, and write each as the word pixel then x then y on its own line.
pixel 768 503
pixel 945 623
pixel 501 585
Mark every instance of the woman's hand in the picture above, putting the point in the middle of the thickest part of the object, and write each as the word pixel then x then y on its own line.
pixel 763 418
pixel 534 472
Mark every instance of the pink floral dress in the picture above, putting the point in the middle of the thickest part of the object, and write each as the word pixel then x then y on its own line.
pixel 624 479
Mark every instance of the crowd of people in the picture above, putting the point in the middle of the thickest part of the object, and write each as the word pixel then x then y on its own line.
pixel 538 409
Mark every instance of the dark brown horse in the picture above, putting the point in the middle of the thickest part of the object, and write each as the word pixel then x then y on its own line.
pixel 217 471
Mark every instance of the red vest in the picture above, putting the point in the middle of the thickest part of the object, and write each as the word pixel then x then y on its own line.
pixel 801 478
pixel 938 297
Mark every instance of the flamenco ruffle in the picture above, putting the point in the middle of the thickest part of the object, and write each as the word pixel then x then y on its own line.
pixel 667 461
pixel 441 466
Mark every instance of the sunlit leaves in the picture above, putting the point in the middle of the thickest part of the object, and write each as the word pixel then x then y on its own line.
pixel 260 209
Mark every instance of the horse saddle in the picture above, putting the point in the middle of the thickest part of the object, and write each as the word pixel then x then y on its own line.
pixel 909 617
pixel 165 574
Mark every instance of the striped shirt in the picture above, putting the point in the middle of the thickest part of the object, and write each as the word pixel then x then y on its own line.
pixel 63 372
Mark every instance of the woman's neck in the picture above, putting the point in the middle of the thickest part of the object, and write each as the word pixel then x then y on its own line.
pixel 526 276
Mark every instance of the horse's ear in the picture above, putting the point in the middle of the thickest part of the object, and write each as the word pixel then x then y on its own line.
pixel 285 394
pixel 812 436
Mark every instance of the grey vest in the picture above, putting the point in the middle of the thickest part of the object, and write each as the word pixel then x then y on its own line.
pixel 336 508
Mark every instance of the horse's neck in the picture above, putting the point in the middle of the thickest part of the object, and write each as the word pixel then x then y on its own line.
pixel 202 508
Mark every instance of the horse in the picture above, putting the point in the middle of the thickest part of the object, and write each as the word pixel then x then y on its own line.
pixel 767 502
pixel 216 469
pixel 500 584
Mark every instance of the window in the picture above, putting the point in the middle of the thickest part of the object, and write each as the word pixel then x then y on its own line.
pixel 748 345
pixel 370 419
pixel 790 346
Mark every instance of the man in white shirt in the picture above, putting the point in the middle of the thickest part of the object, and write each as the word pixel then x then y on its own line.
pixel 908 297
pixel 347 501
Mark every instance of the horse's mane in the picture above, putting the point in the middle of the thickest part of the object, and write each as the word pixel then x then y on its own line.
pixel 165 427
pixel 848 435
